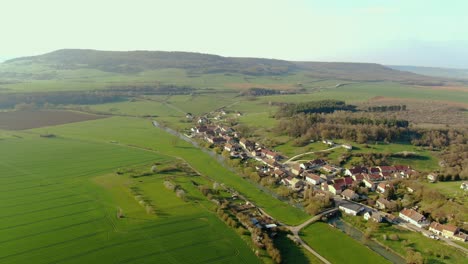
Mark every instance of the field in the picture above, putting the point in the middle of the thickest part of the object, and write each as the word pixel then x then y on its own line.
pixel 19 120
pixel 59 207
pixel 144 135
pixel 336 246
pixel 450 189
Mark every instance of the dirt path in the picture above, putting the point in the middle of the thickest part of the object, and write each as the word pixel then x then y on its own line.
pixel 311 152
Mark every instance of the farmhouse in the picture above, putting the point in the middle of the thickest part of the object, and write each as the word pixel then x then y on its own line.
pixel 413 217
pixel 246 144
pixel 350 208
pixel 349 195
pixel 355 170
pixel 296 169
pixel 313 178
pixel 383 204
pixel 448 231
pixel 270 154
pixel 432 177
pixel 358 177
pixel 347 146
pixel 369 184
pixel 373 215
pixel 382 187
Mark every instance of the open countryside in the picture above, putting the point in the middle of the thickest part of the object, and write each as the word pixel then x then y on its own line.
pixel 208 132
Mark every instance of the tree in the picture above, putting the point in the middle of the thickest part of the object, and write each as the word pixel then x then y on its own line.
pixel 413 257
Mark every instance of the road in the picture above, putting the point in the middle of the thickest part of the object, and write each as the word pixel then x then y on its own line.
pixel 296 229
pixel 312 152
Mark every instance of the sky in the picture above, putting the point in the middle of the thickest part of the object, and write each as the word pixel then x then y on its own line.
pixel 395 32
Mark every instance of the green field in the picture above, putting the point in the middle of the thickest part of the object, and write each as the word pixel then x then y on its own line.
pixel 141 133
pixel 336 246
pixel 54 212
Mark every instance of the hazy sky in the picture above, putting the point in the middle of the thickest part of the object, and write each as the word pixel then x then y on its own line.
pixel 404 32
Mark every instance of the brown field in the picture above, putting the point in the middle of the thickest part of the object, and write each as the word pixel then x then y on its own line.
pixel 424 113
pixel 20 120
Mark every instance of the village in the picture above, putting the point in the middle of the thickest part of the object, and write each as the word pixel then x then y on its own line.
pixel 349 188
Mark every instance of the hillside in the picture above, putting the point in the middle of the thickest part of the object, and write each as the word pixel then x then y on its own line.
pixel 131 62
pixel 137 61
pixel 365 72
pixel 433 71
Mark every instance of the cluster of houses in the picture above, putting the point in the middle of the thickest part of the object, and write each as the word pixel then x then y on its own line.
pixel 323 177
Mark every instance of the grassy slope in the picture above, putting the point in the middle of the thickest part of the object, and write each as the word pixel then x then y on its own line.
pixel 336 246
pixel 52 212
pixel 140 132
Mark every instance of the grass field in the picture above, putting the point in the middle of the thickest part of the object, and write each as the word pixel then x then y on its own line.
pixel 60 207
pixel 337 247
pixel 140 132
pixel 450 189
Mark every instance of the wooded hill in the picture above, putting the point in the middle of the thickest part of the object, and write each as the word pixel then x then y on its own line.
pixel 128 62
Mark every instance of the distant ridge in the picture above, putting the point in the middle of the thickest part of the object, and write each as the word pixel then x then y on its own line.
pixel 128 62
pixel 434 71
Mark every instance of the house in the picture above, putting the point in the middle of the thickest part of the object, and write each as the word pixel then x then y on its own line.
pixel 383 204
pixel 382 187
pixel 335 188
pixel 349 194
pixel 358 177
pixel 413 217
pixel 373 177
pixel 313 178
pixel 296 169
pixel 329 168
pixel 306 165
pixel 215 140
pixel 464 186
pixel 269 154
pixel 448 231
pixel 373 215
pixel 328 142
pixel 374 170
pixel 387 169
pixel 324 186
pixel 369 184
pixel 347 146
pixel 432 177
pixel 247 144
pixel 279 173
pixel 402 168
pixel 317 162
pixel 355 170
pixel 229 147
pixel 460 237
pixel 189 116
pixel 351 208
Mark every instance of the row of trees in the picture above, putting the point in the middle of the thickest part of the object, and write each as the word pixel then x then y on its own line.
pixel 324 106
pixel 386 108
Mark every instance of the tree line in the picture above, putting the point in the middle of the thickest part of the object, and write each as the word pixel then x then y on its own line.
pixel 324 106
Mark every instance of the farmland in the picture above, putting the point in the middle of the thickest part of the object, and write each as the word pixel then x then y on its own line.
pixel 324 238
pixel 55 210
pixel 19 120
pixel 143 134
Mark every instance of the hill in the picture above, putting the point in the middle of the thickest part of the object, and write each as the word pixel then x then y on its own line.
pixel 131 62
pixel 365 72
pixel 433 71
pixel 137 61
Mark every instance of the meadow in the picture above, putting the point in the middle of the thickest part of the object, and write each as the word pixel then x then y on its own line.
pixel 336 246
pixel 60 207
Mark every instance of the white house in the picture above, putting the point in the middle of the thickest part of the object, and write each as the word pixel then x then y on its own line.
pixel 413 217
pixel 373 215
pixel 350 208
